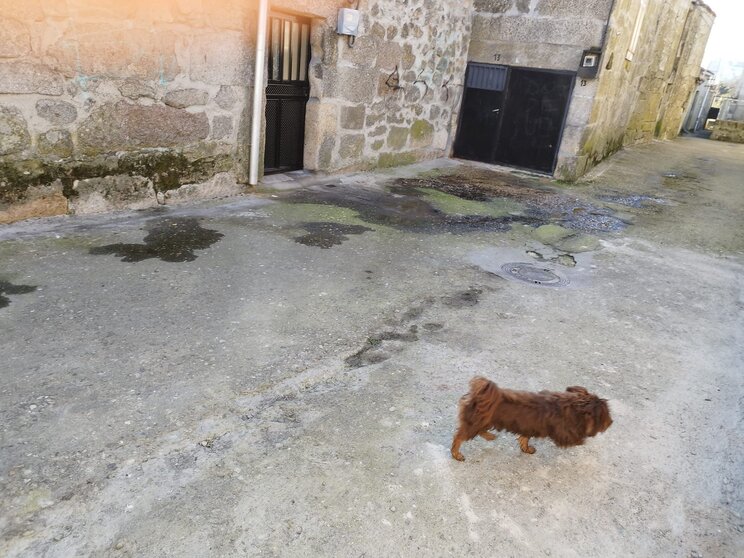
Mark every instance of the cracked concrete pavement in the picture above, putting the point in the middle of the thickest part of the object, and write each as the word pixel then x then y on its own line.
pixel 278 375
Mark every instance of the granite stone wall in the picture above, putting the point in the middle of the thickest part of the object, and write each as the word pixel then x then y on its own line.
pixel 645 97
pixel 728 130
pixel 120 103
pixel 631 100
pixel 544 34
pixel 391 98
pixel 108 104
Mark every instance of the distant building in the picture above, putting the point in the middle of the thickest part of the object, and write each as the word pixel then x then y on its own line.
pixel 131 104
pixel 701 103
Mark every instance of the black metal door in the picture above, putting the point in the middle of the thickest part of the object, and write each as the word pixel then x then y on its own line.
pixel 287 93
pixel 481 111
pixel 513 116
pixel 535 110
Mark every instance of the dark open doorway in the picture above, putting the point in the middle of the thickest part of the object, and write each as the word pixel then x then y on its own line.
pixel 287 92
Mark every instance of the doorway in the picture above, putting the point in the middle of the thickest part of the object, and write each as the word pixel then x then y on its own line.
pixel 287 92
pixel 513 116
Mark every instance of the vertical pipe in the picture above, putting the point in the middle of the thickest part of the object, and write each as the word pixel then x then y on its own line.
pixel 258 91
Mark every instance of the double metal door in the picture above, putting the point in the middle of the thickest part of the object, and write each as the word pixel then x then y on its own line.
pixel 287 92
pixel 513 115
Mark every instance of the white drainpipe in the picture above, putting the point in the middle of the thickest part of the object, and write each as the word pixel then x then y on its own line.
pixel 258 91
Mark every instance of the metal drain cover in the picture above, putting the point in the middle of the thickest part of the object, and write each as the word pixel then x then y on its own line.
pixel 530 273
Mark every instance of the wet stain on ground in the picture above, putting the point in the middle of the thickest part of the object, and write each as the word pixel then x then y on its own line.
pixel 7 288
pixel 566 260
pixel 488 203
pixel 326 234
pixel 372 353
pixel 541 204
pixel 633 200
pixel 381 346
pixel 463 299
pixel 171 240
pixel 405 210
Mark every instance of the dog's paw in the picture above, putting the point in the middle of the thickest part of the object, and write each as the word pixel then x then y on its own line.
pixel 458 456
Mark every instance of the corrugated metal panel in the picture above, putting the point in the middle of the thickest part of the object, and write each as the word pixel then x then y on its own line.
pixel 486 76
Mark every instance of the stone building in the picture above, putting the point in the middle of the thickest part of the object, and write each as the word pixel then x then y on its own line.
pixel 133 103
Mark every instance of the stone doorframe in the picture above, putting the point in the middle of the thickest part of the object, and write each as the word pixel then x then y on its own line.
pixel 312 130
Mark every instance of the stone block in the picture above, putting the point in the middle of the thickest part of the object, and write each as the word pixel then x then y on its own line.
pixel 122 126
pixel 222 126
pixel 102 9
pixel 14 38
pixel 574 31
pixel 357 84
pixel 396 159
pixel 598 9
pixel 23 77
pixel 364 51
pixel 350 146
pixel 408 58
pixel 58 113
pixel 532 55
pixel 422 133
pixel 226 97
pixel 108 193
pixel 38 201
pixel 325 153
pixel 389 55
pixel 182 98
pixel 55 143
pixel 352 118
pixel 27 11
pixel 134 89
pixel 221 185
pixel 580 110
pixel 493 6
pixel 112 50
pixel 221 58
pixel 14 136
pixel 397 137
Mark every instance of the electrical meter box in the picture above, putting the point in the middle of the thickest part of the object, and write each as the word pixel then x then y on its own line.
pixel 589 66
pixel 348 22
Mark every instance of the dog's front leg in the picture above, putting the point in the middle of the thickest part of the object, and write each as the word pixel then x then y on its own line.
pixel 486 435
pixel 524 443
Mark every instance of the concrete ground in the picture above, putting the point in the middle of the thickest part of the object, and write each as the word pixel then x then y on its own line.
pixel 278 375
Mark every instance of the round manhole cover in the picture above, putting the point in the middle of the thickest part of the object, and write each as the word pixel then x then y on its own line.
pixel 530 273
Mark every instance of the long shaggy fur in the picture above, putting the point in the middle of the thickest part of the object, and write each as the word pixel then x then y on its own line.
pixel 568 418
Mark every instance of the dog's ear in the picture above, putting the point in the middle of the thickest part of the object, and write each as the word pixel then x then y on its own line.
pixel 577 389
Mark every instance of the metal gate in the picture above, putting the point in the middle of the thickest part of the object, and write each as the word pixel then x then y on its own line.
pixel 287 93
pixel 513 115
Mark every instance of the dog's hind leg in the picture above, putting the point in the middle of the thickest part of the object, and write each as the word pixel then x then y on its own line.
pixel 460 437
pixel 486 435
pixel 524 443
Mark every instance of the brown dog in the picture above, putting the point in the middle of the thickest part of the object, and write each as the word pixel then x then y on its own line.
pixel 568 418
